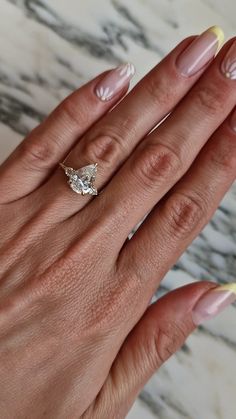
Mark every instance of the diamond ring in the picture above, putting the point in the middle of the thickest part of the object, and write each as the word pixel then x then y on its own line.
pixel 82 180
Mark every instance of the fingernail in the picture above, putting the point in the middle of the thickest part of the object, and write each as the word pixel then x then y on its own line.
pixel 213 302
pixel 228 66
pixel 114 81
pixel 233 120
pixel 200 51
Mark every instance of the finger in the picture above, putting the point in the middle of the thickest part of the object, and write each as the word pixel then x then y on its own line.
pixel 187 207
pixel 110 141
pixel 158 335
pixel 36 156
pixel 160 161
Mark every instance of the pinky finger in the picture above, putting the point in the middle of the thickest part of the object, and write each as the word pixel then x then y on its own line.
pixel 159 334
pixel 49 143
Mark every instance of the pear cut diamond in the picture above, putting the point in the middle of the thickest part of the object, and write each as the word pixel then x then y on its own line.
pixel 82 180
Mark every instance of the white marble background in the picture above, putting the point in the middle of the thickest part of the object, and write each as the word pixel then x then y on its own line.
pixel 47 49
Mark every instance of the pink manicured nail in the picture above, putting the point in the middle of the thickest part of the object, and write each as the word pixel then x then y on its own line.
pixel 233 120
pixel 200 51
pixel 228 66
pixel 213 302
pixel 114 81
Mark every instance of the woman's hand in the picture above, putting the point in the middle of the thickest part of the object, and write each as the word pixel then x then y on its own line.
pixel 76 336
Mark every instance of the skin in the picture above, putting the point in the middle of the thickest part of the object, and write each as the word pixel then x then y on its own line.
pixel 78 338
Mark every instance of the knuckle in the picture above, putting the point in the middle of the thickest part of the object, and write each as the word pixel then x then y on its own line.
pixel 71 113
pixel 106 149
pixel 210 99
pixel 184 213
pixel 38 154
pixel 167 340
pixel 159 92
pixel 156 163
pixel 223 156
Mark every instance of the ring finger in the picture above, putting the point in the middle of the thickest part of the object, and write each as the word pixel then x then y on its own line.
pixel 38 154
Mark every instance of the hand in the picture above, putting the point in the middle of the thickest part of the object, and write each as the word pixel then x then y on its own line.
pixel 77 337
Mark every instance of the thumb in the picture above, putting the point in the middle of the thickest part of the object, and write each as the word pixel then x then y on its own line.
pixel 161 331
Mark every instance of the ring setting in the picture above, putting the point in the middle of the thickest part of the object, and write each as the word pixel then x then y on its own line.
pixel 82 180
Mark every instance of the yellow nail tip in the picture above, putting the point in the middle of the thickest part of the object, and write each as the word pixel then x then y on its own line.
pixel 219 34
pixel 227 287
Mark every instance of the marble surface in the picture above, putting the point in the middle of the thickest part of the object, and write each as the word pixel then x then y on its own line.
pixel 47 49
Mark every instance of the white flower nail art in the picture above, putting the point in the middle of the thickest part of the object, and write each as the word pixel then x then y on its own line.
pixel 114 81
pixel 104 93
pixel 127 70
pixel 229 68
